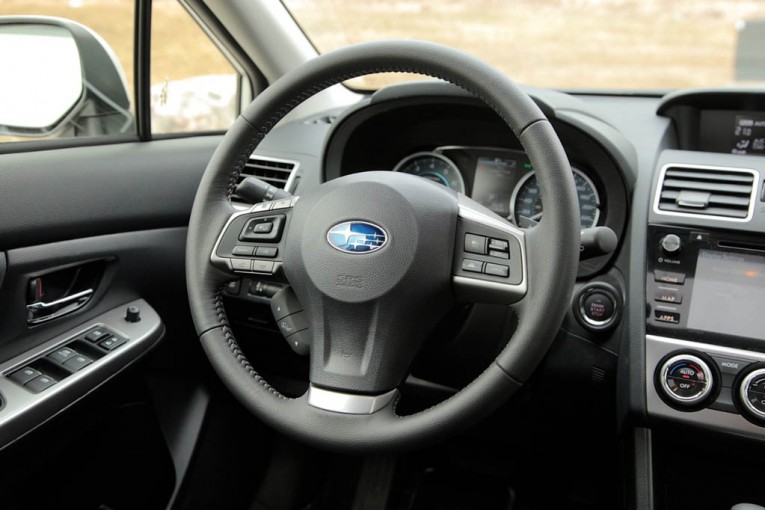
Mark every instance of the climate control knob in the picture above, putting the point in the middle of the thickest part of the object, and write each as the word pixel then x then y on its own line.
pixel 670 243
pixel 686 380
pixel 752 394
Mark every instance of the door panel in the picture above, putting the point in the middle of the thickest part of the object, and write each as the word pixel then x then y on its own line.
pixel 126 207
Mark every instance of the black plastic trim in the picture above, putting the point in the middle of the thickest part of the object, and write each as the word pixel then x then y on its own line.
pixel 142 68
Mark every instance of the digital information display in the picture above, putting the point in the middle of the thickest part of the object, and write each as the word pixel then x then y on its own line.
pixel 749 134
pixel 494 182
pixel 729 294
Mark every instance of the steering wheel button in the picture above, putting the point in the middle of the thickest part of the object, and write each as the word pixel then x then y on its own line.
pixel 283 203
pixel 475 244
pixel 499 245
pixel 241 264
pixel 291 324
pixel 474 266
pixel 497 270
pixel 242 251
pixel 262 266
pixel 266 251
pixel 263 206
pixel 499 254
pixel 263 228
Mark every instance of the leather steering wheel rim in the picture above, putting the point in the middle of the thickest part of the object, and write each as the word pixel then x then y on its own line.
pixel 552 249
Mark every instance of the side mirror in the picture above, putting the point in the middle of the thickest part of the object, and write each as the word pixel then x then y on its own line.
pixel 59 78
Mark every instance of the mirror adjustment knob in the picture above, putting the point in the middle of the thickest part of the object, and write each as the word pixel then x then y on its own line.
pixel 686 380
pixel 671 243
pixel 133 314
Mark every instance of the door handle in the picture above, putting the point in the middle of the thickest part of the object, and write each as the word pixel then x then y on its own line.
pixel 43 312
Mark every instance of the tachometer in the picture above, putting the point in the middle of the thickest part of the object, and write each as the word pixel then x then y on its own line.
pixel 526 202
pixel 435 167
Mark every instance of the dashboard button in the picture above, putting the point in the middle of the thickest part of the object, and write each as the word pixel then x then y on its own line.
pixel 699 237
pixel 666 316
pixel 686 379
pixel 671 243
pixel 598 308
pixel 497 270
pixel 730 365
pixel 669 277
pixel 475 244
pixel 474 266
pixel 668 296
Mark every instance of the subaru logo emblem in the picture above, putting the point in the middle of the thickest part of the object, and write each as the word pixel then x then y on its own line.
pixel 357 237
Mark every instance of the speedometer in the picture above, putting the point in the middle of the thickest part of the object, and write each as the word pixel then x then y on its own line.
pixel 526 202
pixel 434 167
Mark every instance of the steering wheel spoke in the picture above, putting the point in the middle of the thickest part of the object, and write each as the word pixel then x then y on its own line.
pixel 253 241
pixel 490 264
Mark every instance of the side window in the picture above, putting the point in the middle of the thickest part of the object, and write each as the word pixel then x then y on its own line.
pixel 194 88
pixel 67 69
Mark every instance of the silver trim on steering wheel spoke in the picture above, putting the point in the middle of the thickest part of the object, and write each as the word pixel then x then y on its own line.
pixel 348 403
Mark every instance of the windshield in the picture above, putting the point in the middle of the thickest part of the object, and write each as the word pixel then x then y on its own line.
pixel 565 44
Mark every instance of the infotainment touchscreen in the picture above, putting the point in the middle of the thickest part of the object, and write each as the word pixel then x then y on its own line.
pixel 729 294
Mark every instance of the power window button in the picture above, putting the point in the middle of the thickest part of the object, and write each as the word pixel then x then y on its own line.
pixel 24 375
pixel 40 383
pixel 60 356
pixel 112 343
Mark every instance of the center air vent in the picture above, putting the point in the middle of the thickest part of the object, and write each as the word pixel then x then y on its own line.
pixel 276 172
pixel 724 193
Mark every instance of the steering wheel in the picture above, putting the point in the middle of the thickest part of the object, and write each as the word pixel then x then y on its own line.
pixel 377 259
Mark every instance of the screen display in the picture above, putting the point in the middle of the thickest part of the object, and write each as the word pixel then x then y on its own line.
pixel 733 132
pixel 749 134
pixel 729 294
pixel 494 182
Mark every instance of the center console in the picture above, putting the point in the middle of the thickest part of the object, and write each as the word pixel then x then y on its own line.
pixel 705 293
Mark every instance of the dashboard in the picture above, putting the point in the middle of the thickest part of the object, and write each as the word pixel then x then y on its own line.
pixel 462 144
pixel 679 179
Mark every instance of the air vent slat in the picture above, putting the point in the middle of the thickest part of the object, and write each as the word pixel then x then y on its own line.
pixel 701 191
pixel 276 172
pixel 709 176
pixel 707 186
pixel 709 211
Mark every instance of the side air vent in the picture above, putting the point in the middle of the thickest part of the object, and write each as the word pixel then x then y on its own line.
pixel 276 172
pixel 722 193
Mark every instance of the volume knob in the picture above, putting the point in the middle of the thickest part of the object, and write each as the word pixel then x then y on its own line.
pixel 670 243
